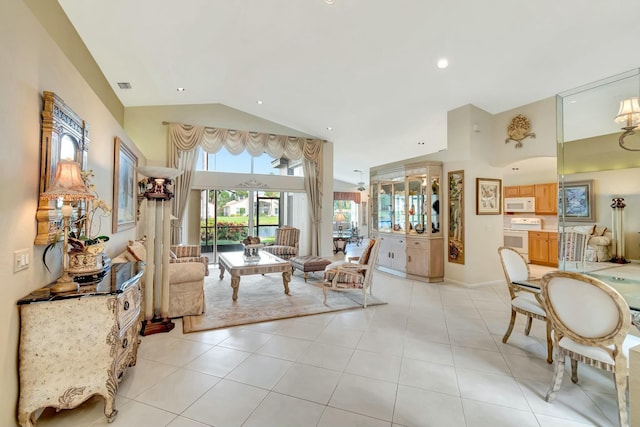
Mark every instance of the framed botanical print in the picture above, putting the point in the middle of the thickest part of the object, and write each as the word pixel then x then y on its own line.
pixel 488 196
pixel 124 187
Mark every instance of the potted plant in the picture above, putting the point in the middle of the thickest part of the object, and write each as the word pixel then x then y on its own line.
pixel 86 247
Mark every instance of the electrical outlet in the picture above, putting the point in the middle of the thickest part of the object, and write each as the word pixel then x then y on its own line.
pixel 21 260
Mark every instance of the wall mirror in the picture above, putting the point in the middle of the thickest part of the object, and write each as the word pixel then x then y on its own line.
pixel 589 150
pixel 64 136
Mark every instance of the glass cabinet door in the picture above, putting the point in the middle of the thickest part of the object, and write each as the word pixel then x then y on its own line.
pixel 399 208
pixel 385 207
pixel 373 205
pixel 434 209
pixel 416 202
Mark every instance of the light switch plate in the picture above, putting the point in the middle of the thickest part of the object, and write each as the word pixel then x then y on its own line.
pixel 21 260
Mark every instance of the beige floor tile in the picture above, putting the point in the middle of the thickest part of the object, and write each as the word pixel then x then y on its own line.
pixel 186 387
pixel 260 371
pixel 429 376
pixel 218 361
pixel 365 396
pixel 327 356
pixel 278 410
pixel 333 417
pixel 481 414
pixel 423 408
pixel 138 414
pixel 489 388
pixel 374 365
pixel 228 403
pixel 309 383
pixel 284 347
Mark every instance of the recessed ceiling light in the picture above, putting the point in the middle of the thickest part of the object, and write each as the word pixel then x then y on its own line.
pixel 124 85
pixel 329 1
pixel 329 128
pixel 420 142
pixel 443 63
pixel 259 102
pixel 180 89
pixel 515 169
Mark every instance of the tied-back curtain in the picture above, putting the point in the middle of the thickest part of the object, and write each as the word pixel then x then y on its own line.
pixel 186 139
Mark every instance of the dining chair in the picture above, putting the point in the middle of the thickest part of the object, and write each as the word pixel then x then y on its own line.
pixel 597 337
pixel 523 300
pixel 574 248
pixel 348 275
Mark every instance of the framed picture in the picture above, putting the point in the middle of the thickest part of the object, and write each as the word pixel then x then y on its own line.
pixel 576 201
pixel 488 196
pixel 124 187
pixel 456 217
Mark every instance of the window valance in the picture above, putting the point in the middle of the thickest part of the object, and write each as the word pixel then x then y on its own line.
pixel 347 195
pixel 184 140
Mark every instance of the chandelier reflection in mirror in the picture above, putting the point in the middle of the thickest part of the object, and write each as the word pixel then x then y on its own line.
pixel 629 117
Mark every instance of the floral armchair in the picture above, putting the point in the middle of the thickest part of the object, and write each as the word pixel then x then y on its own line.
pixel 188 253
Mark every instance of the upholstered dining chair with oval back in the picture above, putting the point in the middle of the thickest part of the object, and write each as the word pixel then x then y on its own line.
pixel 597 336
pixel 523 300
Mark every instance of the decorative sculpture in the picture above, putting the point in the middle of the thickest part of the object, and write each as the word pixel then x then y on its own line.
pixel 519 129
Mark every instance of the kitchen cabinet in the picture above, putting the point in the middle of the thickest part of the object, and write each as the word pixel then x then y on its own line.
pixel 543 248
pixel 519 191
pixel 405 214
pixel 546 198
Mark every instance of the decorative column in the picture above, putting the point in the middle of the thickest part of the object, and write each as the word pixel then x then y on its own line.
pixel 158 194
pixel 617 222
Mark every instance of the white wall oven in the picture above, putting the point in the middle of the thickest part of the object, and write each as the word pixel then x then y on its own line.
pixel 516 236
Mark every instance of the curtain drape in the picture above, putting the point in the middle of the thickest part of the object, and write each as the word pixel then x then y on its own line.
pixel 347 195
pixel 184 140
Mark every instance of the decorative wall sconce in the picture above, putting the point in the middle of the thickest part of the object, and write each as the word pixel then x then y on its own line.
pixel 629 116
pixel 519 129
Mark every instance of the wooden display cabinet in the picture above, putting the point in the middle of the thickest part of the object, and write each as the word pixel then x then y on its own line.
pixel 405 214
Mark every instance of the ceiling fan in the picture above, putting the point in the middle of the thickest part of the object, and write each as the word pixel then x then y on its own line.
pixel 361 186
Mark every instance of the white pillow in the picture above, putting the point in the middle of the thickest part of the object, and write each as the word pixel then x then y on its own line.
pixel 586 229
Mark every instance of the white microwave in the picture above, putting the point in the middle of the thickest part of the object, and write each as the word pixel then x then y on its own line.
pixel 520 204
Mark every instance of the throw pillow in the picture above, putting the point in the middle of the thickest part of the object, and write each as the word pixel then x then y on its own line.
pixel 364 258
pixel 586 229
pixel 599 230
pixel 137 250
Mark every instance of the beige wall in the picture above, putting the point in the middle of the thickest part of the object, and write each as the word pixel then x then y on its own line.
pixel 475 144
pixel 31 62
pixel 144 124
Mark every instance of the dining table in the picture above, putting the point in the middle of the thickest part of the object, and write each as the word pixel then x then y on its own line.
pixel 625 281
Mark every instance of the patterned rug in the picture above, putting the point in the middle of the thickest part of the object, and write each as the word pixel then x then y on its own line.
pixel 262 298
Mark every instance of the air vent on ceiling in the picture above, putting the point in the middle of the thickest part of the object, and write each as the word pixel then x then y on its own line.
pixel 124 85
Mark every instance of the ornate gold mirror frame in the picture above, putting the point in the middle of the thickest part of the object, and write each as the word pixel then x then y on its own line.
pixel 64 136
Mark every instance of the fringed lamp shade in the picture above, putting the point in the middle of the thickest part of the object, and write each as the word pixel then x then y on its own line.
pixel 68 184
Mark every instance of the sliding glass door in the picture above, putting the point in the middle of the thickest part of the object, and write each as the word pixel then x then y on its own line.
pixel 228 216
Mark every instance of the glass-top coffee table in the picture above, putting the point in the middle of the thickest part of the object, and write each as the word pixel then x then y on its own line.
pixel 235 264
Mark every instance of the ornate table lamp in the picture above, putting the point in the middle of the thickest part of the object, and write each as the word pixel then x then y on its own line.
pixel 69 186
pixel 340 218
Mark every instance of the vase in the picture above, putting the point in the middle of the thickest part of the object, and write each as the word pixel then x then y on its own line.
pixel 85 262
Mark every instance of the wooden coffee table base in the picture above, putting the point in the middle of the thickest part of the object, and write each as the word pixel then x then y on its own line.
pixel 234 263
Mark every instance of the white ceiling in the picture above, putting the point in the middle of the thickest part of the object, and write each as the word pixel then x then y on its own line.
pixel 366 68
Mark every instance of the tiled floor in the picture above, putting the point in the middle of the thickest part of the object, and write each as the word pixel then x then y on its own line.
pixel 433 356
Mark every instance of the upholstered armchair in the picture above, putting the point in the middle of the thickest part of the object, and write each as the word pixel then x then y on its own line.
pixel 349 275
pixel 188 253
pixel 286 243
pixel 186 289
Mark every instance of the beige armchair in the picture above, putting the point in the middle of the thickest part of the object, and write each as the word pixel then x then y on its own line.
pixel 286 244
pixel 188 253
pixel 186 289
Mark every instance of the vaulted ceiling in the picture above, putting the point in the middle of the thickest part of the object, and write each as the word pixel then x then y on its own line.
pixel 359 73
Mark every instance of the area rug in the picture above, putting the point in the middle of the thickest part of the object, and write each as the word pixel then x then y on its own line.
pixel 262 298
